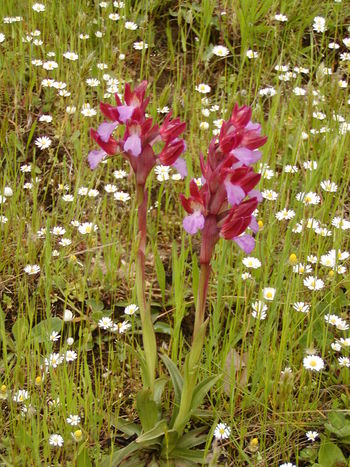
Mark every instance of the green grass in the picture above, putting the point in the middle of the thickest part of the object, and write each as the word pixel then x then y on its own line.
pixel 94 275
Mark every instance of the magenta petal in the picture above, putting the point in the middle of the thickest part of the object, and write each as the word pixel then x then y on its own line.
pixel 254 225
pixel 194 222
pixel 106 129
pixel 133 145
pixel 181 166
pixel 255 194
pixel 254 126
pixel 95 157
pixel 235 194
pixel 125 112
pixel 245 242
pixel 246 156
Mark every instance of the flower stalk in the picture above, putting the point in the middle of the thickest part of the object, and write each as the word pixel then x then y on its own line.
pixel 148 334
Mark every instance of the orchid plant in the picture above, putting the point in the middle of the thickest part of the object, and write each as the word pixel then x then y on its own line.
pixel 222 207
pixel 137 147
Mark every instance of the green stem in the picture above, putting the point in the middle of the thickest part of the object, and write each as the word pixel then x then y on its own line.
pixel 193 358
pixel 201 298
pixel 148 334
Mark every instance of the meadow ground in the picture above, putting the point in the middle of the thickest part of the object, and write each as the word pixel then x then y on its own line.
pixel 278 333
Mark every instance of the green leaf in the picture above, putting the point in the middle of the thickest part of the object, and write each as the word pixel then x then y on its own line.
pixel 338 424
pixel 309 454
pixel 197 346
pixel 169 441
pixel 160 271
pixel 202 414
pixel 152 435
pixel 20 329
pixel 117 456
pixel 195 275
pixel 75 136
pixel 129 428
pixel 202 390
pixel 83 459
pixel 329 454
pixel 159 386
pixel 192 439
pixel 95 305
pixel 189 455
pixel 147 409
pixel 31 133
pixel 41 331
pixel 175 376
pixel 163 328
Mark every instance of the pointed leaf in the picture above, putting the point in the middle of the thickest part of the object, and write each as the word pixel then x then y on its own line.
pixel 147 409
pixel 160 271
pixel 152 435
pixel 20 330
pixel 83 459
pixel 175 376
pixel 127 427
pixel 192 439
pixel 117 456
pixel 197 346
pixel 195 275
pixel 159 386
pixel 189 455
pixel 169 441
pixel 162 328
pixel 41 331
pixel 202 390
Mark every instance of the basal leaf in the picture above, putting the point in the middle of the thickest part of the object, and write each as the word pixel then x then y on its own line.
pixel 153 435
pixel 192 439
pixel 129 428
pixel 189 455
pixel 20 329
pixel 118 456
pixel 330 455
pixel 202 390
pixel 41 331
pixel 147 409
pixel 175 376
pixel 160 271
pixel 83 459
pixel 159 386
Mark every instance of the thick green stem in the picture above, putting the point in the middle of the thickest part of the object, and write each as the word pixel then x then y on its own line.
pixel 201 299
pixel 193 358
pixel 148 334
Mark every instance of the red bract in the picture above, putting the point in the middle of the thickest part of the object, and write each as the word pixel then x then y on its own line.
pixel 224 205
pixel 140 135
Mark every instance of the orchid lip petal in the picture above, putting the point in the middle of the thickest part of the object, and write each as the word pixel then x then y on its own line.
pixel 125 112
pixel 106 129
pixel 95 157
pixel 133 145
pixel 245 242
pixel 235 194
pixel 255 194
pixel 193 222
pixel 246 156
